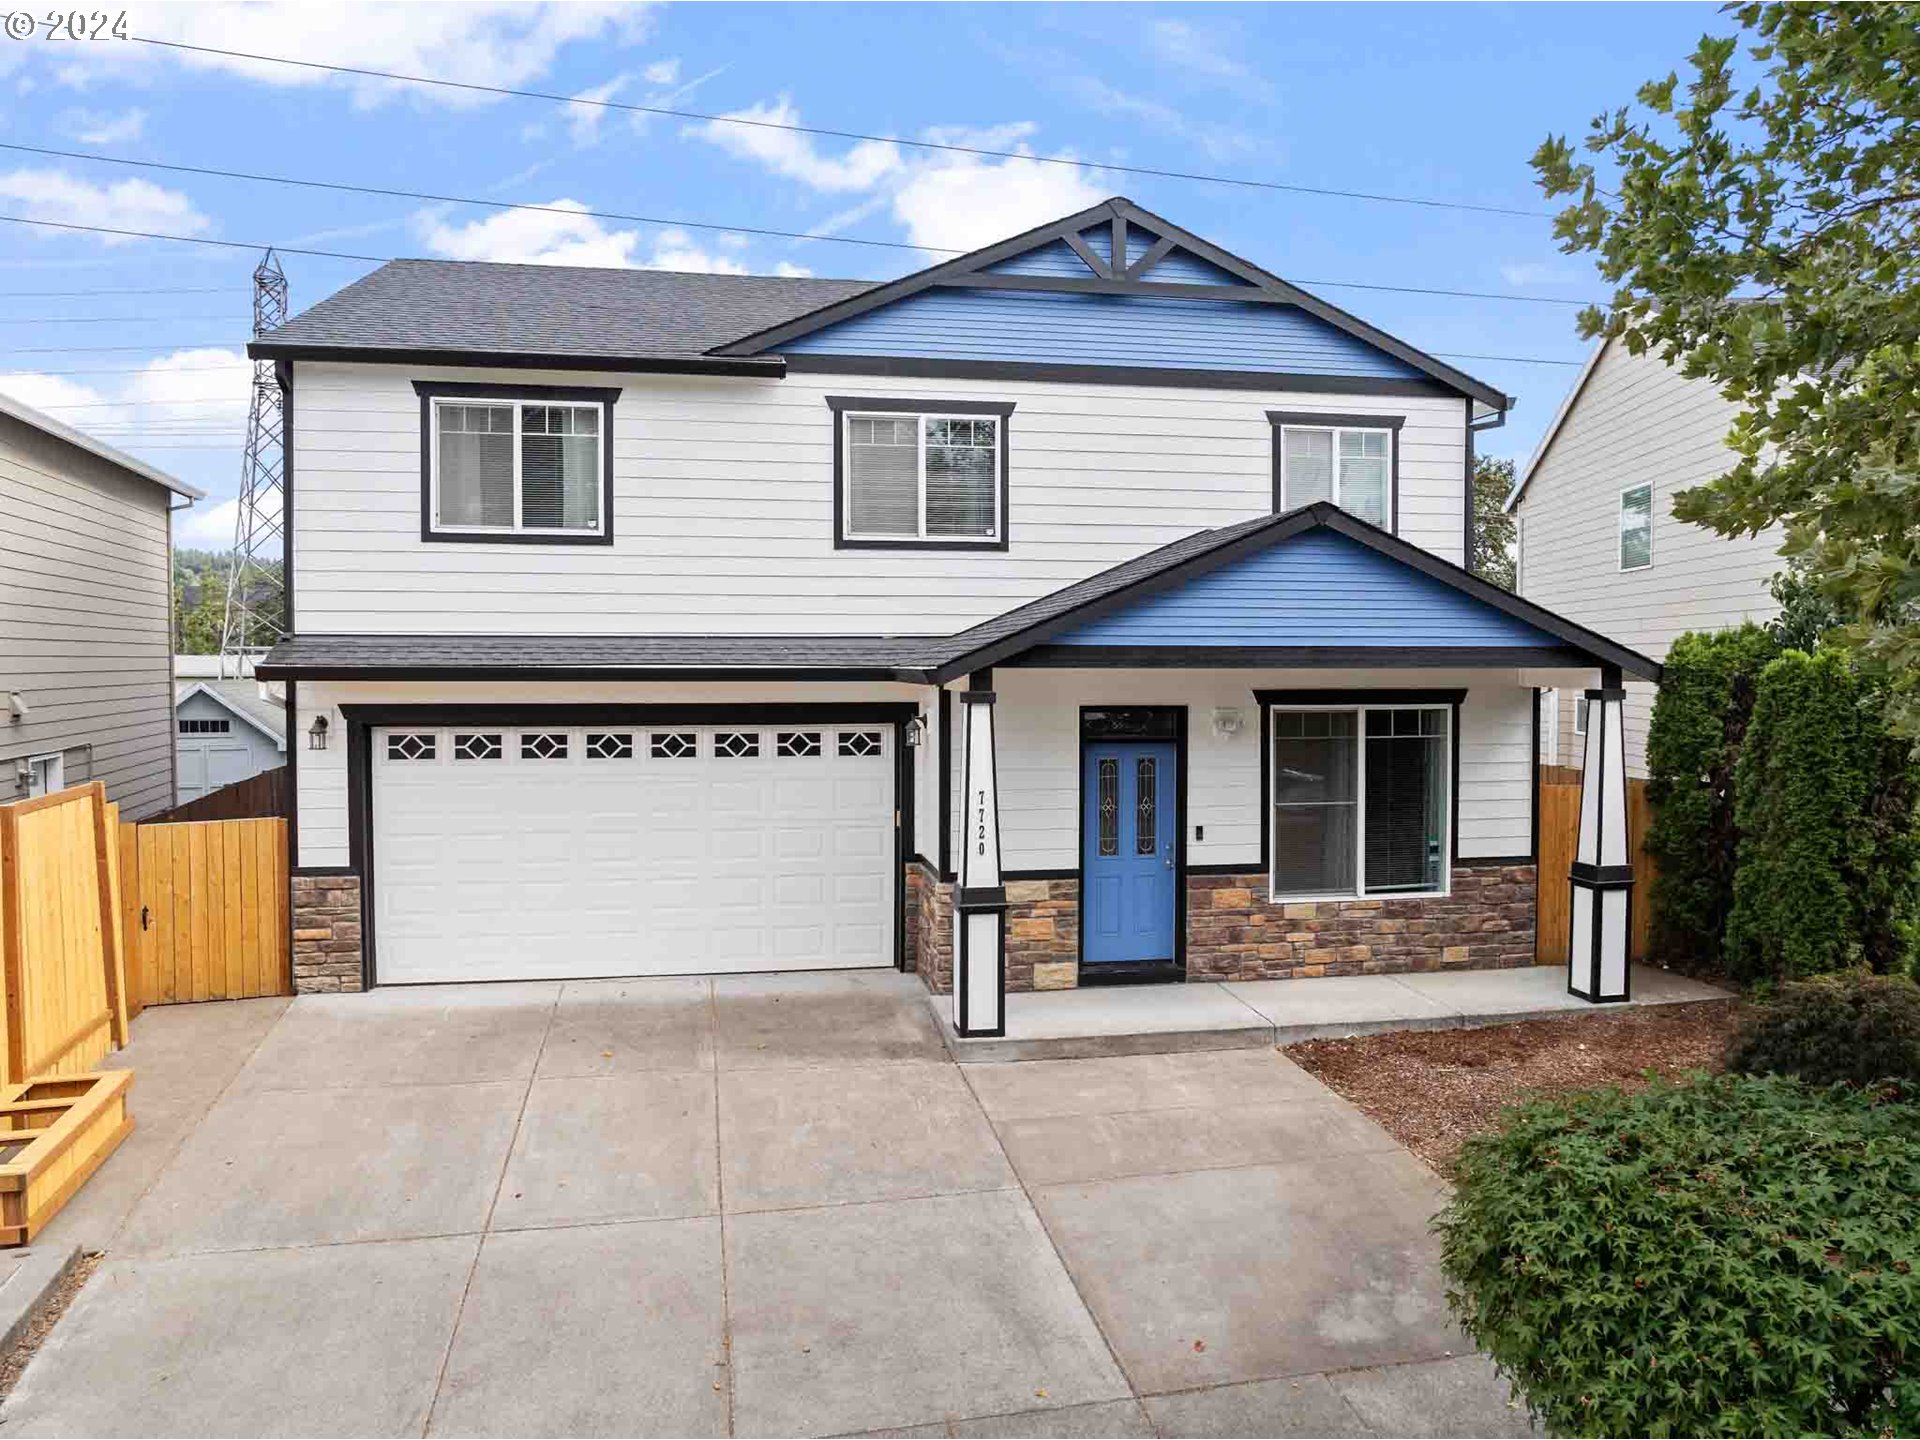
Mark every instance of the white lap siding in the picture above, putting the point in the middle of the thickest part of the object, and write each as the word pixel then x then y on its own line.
pixel 723 504
pixel 1039 755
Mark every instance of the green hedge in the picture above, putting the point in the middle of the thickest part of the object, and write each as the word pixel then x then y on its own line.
pixel 1824 806
pixel 1699 719
pixel 1852 1029
pixel 1735 1256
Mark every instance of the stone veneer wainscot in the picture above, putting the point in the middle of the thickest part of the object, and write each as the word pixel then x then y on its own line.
pixel 326 934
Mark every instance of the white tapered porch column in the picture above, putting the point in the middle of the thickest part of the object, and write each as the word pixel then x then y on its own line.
pixel 980 903
pixel 1602 870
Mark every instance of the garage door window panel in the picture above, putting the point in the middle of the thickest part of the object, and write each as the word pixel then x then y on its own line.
pixel 544 745
pixel 478 747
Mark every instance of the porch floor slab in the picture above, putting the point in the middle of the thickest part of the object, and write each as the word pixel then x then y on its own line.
pixel 1233 1015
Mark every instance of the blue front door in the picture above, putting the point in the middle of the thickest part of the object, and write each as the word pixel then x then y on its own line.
pixel 1127 872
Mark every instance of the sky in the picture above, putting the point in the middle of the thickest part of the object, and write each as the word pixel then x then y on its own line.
pixel 141 341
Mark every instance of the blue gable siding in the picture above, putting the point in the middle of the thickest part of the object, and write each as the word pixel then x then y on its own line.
pixel 1045 328
pixel 1316 589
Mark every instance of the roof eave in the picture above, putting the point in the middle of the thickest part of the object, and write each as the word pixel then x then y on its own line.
pixel 80 440
pixel 768 366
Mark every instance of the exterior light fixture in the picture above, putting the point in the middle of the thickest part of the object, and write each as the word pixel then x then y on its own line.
pixel 317 736
pixel 1226 722
pixel 916 732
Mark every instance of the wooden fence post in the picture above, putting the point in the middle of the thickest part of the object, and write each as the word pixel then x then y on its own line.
pixel 105 858
pixel 11 940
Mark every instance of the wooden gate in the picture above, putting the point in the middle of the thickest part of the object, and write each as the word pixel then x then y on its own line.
pixel 1559 834
pixel 208 919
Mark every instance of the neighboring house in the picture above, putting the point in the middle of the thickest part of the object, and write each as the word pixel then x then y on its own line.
pixel 226 728
pixel 1098 619
pixel 1598 540
pixel 86 615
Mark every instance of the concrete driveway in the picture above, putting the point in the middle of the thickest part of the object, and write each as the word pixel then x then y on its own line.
pixel 757 1206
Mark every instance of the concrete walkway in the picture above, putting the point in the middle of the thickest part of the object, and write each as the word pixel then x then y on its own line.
pixel 753 1206
pixel 1158 1019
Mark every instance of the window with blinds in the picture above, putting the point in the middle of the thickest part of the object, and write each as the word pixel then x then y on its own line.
pixel 1636 527
pixel 913 478
pixel 1360 801
pixel 1353 468
pixel 511 467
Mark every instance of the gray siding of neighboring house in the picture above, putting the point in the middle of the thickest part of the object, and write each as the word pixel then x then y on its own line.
pixel 1636 420
pixel 208 762
pixel 85 618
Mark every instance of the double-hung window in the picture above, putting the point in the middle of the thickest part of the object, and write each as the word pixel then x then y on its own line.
pixel 1349 460
pixel 504 465
pixel 1636 527
pixel 1360 799
pixel 914 475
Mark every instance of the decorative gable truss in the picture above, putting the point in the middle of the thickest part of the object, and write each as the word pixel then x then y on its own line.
pixel 1113 249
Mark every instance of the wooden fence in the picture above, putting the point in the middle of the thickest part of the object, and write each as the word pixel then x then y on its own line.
pixel 1559 834
pixel 61 940
pixel 209 915
pixel 258 797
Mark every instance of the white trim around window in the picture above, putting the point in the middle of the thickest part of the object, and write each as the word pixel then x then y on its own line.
pixel 1636 526
pixel 1353 461
pixel 971 516
pixel 503 429
pixel 1425 723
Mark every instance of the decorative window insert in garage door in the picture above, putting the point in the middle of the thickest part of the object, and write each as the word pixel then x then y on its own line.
pixel 510 852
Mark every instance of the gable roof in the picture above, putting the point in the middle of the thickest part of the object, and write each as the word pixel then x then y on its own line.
pixel 1559 418
pixel 240 698
pixel 1052 616
pixel 27 415
pixel 989 269
pixel 547 314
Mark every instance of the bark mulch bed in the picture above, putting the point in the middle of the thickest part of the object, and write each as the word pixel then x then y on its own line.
pixel 1431 1089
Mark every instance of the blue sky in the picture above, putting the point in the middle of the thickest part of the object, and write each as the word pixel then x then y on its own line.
pixel 1441 101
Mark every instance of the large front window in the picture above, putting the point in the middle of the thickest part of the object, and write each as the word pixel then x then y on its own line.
pixel 506 467
pixel 922 478
pixel 1360 800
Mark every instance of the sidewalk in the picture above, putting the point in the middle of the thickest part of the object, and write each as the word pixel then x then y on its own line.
pixel 1236 1015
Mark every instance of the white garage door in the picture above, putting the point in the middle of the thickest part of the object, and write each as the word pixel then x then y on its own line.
pixel 505 852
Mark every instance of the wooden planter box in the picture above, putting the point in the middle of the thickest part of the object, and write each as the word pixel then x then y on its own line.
pixel 53 1135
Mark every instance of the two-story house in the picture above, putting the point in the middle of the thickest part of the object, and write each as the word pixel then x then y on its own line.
pixel 1088 609
pixel 1598 540
pixel 86 615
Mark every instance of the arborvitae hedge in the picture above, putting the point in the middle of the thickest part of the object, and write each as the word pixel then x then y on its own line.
pixel 1699 720
pixel 1824 804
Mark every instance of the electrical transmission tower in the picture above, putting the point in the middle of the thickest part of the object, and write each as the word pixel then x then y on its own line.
pixel 256 585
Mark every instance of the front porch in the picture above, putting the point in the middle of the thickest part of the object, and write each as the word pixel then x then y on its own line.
pixel 1247 1015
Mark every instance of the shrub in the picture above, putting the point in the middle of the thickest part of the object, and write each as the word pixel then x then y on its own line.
pixel 1854 1029
pixel 1699 719
pixel 1734 1256
pixel 1824 802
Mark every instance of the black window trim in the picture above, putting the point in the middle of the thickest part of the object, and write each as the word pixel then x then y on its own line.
pixel 842 405
pixel 1280 420
pixel 432 390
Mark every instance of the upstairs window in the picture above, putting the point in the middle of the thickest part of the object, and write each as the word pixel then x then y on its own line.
pixel 1349 460
pixel 1636 527
pixel 926 477
pixel 531 467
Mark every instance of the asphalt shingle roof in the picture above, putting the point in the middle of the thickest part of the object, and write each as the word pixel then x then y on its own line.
pixel 416 654
pixel 417 305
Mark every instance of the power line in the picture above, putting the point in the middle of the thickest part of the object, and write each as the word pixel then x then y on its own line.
pixel 90 294
pixel 187 239
pixel 109 349
pixel 981 151
pixel 137 370
pixel 433 197
pixel 119 319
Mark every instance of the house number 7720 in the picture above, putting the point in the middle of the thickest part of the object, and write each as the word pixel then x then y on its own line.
pixel 980 823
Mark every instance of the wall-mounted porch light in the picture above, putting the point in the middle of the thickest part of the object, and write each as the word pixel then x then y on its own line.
pixel 916 732
pixel 317 736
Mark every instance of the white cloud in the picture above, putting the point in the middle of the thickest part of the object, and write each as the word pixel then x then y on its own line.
pixel 99 127
pixel 496 43
pixel 1219 142
pixel 534 237
pixel 662 72
pixel 583 120
pixel 1523 273
pixel 123 204
pixel 541 237
pixel 796 156
pixel 791 271
pixel 1176 43
pixel 208 525
pixel 961 202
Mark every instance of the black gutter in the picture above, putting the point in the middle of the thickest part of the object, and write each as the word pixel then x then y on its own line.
pixel 772 366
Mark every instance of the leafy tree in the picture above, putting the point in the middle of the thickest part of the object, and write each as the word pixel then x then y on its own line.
pixel 1492 557
pixel 1761 229
pixel 200 599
